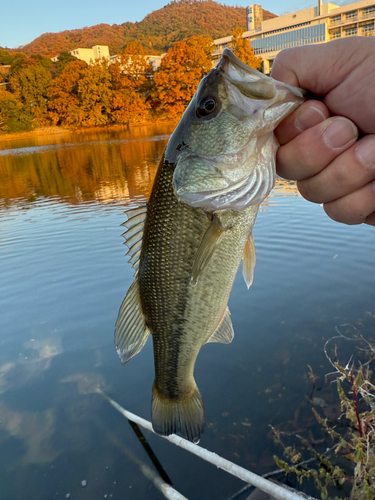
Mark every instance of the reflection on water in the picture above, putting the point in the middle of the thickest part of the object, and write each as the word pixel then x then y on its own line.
pixel 97 168
pixel 64 275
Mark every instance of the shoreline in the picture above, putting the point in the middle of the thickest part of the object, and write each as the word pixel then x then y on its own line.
pixel 64 131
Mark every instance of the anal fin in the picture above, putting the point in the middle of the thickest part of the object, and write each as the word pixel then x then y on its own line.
pixel 248 261
pixel 131 332
pixel 224 333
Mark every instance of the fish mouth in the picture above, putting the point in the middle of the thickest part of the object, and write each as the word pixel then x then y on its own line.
pixel 253 83
pixel 243 174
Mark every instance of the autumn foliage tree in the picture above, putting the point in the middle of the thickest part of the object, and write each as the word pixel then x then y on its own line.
pixel 95 94
pixel 180 72
pixel 242 49
pixel 131 84
pixel 63 98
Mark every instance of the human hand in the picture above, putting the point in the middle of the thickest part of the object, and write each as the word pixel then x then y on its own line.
pixel 323 152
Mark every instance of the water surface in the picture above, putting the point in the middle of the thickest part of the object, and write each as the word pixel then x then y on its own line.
pixel 64 275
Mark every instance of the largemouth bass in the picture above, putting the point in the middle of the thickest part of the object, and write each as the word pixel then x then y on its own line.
pixel 187 243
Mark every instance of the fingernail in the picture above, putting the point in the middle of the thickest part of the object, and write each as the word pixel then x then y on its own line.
pixel 309 117
pixel 340 133
pixel 365 151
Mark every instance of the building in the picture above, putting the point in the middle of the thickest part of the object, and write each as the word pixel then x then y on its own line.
pixel 154 61
pixel 102 51
pixel 318 24
pixel 89 55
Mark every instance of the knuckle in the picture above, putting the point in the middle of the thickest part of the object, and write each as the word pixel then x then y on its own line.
pixel 344 212
pixel 309 192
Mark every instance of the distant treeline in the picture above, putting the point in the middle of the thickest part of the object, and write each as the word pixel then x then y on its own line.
pixel 71 93
pixel 157 32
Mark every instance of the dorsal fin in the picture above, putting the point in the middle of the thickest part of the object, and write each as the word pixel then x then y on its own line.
pixel 224 333
pixel 134 233
pixel 248 261
pixel 131 332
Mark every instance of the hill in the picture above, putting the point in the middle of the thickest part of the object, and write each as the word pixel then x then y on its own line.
pixel 179 20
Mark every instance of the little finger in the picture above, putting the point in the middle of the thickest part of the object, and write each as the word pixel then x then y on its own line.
pixel 353 208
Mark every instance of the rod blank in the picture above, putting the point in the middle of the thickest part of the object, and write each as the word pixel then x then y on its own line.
pixel 263 484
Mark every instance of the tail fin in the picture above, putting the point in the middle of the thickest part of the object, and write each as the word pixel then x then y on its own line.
pixel 184 417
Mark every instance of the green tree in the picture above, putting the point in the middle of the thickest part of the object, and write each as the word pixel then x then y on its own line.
pixel 95 95
pixel 13 117
pixel 63 60
pixel 43 61
pixel 180 72
pixel 29 84
pixel 242 49
pixel 17 62
pixel 5 58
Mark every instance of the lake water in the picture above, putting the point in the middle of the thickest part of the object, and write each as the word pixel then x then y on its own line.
pixel 63 277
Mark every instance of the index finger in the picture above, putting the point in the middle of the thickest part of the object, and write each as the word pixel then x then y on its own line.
pixel 309 114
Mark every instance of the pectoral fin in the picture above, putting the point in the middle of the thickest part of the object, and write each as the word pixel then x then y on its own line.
pixel 224 332
pixel 131 332
pixel 207 247
pixel 248 261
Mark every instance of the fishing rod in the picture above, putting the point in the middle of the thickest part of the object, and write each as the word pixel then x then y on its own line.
pixel 275 490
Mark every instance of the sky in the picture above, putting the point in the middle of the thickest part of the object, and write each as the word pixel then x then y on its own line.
pixel 23 20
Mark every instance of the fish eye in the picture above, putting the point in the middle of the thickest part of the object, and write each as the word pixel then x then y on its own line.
pixel 206 106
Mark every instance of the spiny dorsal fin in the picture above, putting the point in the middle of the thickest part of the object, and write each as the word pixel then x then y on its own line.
pixel 134 233
pixel 224 333
pixel 131 331
pixel 248 261
pixel 207 247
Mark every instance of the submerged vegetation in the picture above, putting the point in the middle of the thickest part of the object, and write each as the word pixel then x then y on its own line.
pixel 71 93
pixel 347 466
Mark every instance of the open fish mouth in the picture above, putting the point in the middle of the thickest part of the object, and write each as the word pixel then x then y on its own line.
pixel 239 169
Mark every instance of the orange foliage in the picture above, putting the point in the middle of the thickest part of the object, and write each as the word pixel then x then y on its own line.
pixel 63 99
pixel 177 21
pixel 241 48
pixel 180 72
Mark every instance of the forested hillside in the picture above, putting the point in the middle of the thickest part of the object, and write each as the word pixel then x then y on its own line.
pixel 177 21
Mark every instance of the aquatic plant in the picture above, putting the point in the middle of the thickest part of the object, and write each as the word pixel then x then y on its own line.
pixel 350 460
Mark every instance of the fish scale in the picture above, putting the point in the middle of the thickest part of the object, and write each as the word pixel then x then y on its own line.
pixel 218 166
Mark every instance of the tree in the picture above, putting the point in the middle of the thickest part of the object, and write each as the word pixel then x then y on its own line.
pixel 180 72
pixel 63 60
pixel 131 84
pixel 30 83
pixel 13 117
pixel 95 95
pixel 242 49
pixel 5 58
pixel 62 94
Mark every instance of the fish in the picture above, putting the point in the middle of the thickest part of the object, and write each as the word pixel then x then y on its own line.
pixel 187 242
